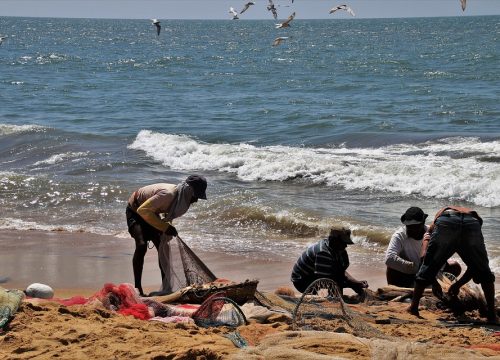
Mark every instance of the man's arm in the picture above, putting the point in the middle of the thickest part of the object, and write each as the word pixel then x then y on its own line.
pixel 455 287
pixel 150 210
pixel 354 284
pixel 395 261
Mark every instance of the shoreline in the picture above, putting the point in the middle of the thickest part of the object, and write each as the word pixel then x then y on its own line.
pixel 81 263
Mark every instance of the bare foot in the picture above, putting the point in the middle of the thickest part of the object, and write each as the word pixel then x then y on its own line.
pixel 413 311
pixel 492 320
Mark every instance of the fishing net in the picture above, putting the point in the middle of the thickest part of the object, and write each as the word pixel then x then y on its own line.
pixel 121 298
pixel 181 266
pixel 470 296
pixel 322 308
pixel 9 303
pixel 218 310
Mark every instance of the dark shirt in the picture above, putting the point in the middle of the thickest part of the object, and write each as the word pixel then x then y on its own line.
pixel 319 261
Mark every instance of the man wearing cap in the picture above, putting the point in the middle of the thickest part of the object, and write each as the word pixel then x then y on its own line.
pixel 327 259
pixel 407 248
pixel 150 211
pixel 457 229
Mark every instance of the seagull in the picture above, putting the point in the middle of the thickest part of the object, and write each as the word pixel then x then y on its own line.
pixel 2 38
pixel 463 4
pixel 286 23
pixel 342 7
pixel 234 13
pixel 272 9
pixel 247 5
pixel 158 26
pixel 278 40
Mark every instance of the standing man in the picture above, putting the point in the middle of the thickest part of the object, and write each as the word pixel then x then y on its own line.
pixel 457 229
pixel 327 259
pixel 150 211
pixel 407 248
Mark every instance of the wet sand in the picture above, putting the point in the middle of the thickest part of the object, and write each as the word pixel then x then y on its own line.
pixel 83 262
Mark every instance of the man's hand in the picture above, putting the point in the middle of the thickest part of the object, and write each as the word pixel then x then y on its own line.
pixel 359 287
pixel 172 231
pixel 437 290
pixel 454 289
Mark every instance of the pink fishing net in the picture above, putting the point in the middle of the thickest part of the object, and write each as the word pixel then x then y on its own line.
pixel 121 298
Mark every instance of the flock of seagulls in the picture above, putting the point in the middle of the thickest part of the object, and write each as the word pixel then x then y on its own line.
pixel 272 8
pixel 274 11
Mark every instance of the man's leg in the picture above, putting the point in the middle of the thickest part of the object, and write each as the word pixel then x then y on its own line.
pixel 489 295
pixel 156 239
pixel 141 248
pixel 441 248
pixel 400 279
pixel 418 291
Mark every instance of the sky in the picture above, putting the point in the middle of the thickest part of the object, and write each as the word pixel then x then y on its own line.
pixel 218 9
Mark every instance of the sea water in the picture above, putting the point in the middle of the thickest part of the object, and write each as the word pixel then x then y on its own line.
pixel 346 123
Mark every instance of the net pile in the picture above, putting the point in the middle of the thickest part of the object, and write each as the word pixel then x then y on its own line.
pixel 322 308
pixel 121 298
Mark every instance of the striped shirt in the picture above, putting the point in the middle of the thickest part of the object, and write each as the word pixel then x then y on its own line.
pixel 319 261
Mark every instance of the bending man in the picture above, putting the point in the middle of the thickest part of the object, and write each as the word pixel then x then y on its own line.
pixel 150 211
pixel 457 229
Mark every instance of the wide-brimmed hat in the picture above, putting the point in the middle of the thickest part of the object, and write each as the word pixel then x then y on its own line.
pixel 199 185
pixel 414 215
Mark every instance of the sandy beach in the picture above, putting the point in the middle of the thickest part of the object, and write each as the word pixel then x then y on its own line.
pixel 79 264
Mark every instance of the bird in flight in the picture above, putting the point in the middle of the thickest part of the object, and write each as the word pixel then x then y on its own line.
pixel 233 13
pixel 278 40
pixel 463 2
pixel 247 5
pixel 158 26
pixel 272 9
pixel 286 23
pixel 342 7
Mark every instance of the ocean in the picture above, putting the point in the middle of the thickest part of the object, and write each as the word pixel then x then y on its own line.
pixel 347 123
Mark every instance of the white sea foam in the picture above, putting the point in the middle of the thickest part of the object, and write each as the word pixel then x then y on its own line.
pixel 19 224
pixel 8 129
pixel 58 158
pixel 456 168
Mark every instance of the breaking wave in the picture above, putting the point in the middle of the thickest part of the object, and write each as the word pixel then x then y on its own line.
pixel 458 169
pixel 8 129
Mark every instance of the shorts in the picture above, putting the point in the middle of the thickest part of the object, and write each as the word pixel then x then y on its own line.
pixel 460 233
pixel 147 232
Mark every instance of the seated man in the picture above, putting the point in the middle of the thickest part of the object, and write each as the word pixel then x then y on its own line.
pixel 406 248
pixel 327 259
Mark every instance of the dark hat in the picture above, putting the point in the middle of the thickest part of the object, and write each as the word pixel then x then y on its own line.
pixel 413 216
pixel 344 235
pixel 199 185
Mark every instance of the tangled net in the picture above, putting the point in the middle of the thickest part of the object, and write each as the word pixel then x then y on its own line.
pixel 218 310
pixel 321 300
pixel 322 308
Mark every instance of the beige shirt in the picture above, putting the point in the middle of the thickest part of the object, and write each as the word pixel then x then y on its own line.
pixel 152 200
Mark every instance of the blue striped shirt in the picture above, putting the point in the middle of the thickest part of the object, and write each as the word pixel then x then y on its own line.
pixel 319 261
